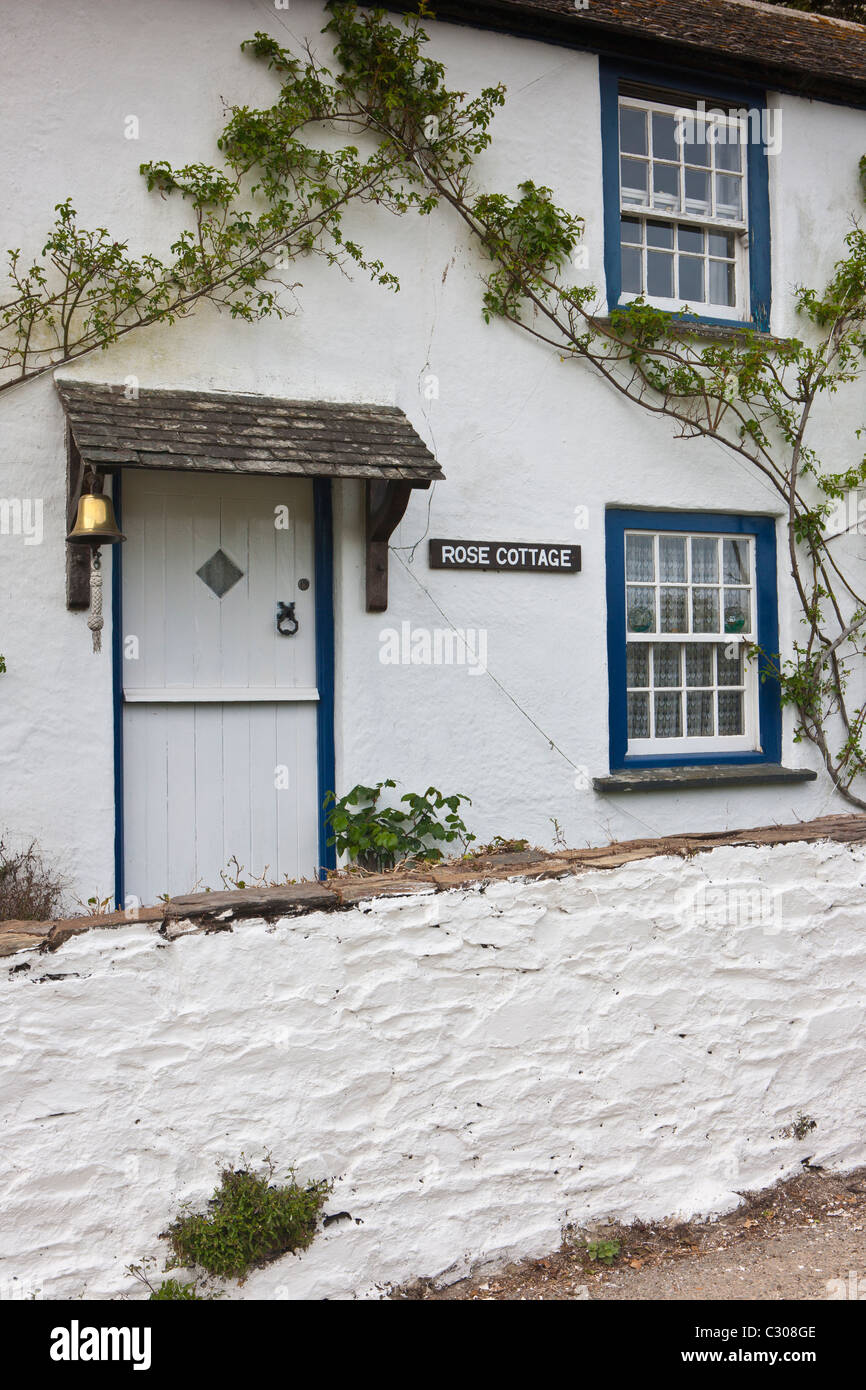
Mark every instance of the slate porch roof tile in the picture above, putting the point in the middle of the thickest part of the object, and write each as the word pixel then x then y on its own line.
pixel 219 432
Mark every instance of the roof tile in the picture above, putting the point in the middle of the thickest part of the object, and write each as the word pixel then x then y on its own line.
pixel 785 48
pixel 219 432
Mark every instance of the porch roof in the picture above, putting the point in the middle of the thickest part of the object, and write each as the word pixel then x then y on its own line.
pixel 218 432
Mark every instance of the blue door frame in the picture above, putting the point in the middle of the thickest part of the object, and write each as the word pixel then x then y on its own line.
pixel 117 679
pixel 323 553
pixel 323 544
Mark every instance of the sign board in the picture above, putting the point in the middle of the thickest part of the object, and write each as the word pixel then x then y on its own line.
pixel 547 557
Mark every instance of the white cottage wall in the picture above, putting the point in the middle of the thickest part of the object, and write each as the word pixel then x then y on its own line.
pixel 475 1068
pixel 523 438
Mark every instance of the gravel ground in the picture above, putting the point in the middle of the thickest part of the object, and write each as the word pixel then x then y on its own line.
pixel 791 1241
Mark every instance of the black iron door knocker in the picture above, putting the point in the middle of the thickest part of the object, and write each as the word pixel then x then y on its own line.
pixel 286 615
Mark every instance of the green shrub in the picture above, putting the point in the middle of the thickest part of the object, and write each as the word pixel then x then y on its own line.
pixel 176 1289
pixel 604 1251
pixel 378 836
pixel 249 1222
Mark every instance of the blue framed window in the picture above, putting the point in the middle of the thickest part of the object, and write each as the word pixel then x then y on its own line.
pixel 687 592
pixel 686 197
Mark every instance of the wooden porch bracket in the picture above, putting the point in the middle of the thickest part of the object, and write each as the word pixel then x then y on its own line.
pixel 77 556
pixel 385 504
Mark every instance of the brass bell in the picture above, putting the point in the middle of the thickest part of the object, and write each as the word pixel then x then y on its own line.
pixel 95 523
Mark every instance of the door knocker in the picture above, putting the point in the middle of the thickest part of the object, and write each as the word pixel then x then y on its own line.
pixel 286 614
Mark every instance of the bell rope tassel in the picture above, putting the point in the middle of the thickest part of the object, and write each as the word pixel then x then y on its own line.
pixel 95 621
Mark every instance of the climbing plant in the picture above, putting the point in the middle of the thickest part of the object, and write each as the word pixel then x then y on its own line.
pixel 274 200
pixel 411 144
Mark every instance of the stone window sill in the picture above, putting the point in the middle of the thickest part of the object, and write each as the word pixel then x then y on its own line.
pixel 713 775
pixel 714 332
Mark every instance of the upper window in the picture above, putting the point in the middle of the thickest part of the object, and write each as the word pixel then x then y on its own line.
pixel 687 595
pixel 686 196
pixel 683 208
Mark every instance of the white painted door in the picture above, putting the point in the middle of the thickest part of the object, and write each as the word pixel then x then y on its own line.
pixel 219 713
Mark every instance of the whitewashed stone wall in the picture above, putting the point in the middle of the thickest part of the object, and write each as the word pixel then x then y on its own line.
pixel 475 1068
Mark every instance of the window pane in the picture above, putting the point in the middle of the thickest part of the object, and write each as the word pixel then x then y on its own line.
pixel 672 559
pixel 674 613
pixel 735 562
pixel 737 610
pixel 699 664
pixel 666 664
pixel 688 686
pixel 630 229
pixel 695 147
pixel 660 275
pixel 668 713
pixel 666 186
pixel 721 244
pixel 722 283
pixel 705 607
pixel 636 664
pixel 705 560
pixel 664 137
pixel 632 130
pixel 698 192
pixel 691 239
pixel 728 198
pixel 728 152
pixel 639 563
pixel 638 715
pixel 660 234
pixel 730 659
pixel 699 713
pixel 634 180
pixel 641 609
pixel 691 278
pixel 632 270
pixel 730 712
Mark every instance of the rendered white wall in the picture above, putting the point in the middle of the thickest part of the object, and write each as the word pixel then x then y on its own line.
pixel 476 1068
pixel 522 437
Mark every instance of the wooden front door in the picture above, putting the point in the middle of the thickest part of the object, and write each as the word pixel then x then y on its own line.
pixel 219 706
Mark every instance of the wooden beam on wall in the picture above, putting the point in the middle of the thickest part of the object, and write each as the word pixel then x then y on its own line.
pixel 77 556
pixel 385 504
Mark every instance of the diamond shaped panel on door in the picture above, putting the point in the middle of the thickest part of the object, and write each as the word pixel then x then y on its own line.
pixel 220 573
